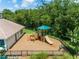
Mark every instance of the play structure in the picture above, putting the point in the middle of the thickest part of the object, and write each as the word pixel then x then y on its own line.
pixel 48 40
pixel 41 34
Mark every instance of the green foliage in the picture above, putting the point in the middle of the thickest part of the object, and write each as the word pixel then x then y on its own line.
pixel 45 19
pixel 70 47
pixel 7 14
pixel 55 57
pixel 39 56
pixel 65 56
pixel 28 31
pixel 33 56
pixel 74 36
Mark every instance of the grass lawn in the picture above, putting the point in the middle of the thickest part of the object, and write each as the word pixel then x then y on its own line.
pixel 28 31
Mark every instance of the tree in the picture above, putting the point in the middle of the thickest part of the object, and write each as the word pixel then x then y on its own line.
pixel 74 36
pixel 8 14
pixel 21 16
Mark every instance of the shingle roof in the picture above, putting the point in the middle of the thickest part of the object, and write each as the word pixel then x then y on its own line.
pixel 8 28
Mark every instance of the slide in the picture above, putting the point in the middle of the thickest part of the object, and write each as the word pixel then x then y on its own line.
pixel 48 40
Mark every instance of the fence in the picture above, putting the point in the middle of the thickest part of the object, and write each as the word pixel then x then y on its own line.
pixel 30 52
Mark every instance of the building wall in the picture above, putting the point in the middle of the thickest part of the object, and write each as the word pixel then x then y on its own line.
pixel 11 40
pixel 19 34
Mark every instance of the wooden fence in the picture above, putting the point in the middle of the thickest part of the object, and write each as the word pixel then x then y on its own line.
pixel 30 52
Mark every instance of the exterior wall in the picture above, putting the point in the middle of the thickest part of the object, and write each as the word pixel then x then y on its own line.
pixel 19 34
pixel 10 41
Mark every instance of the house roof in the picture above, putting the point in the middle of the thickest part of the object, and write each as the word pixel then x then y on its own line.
pixel 8 28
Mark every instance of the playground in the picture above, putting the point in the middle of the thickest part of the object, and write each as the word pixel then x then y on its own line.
pixel 38 41
pixel 26 44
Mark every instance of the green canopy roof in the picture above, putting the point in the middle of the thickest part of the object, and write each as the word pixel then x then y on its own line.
pixel 44 27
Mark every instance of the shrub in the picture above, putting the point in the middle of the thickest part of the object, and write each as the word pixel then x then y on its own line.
pixel 67 56
pixel 39 56
pixel 33 56
pixel 55 57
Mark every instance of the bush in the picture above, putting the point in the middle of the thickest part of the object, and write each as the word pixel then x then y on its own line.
pixel 70 48
pixel 55 57
pixel 39 56
pixel 33 56
pixel 67 56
